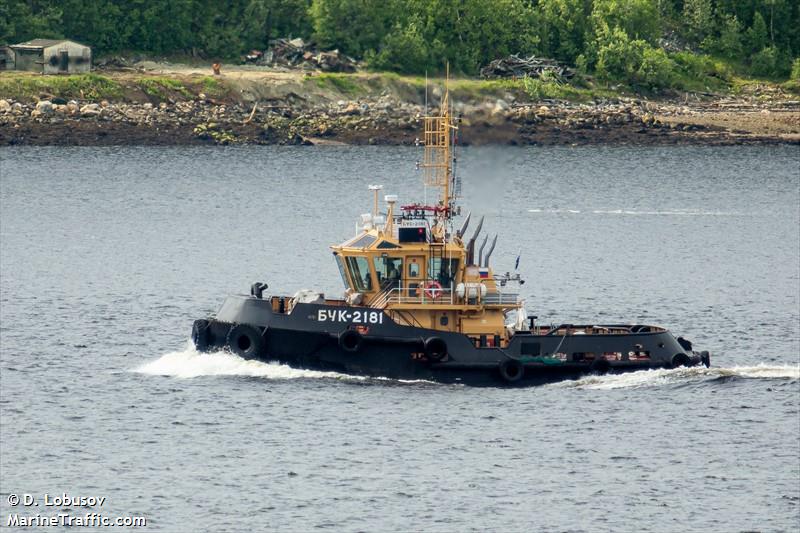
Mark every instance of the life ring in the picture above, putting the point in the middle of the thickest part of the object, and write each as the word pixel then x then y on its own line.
pixel 350 340
pixel 245 341
pixel 433 289
pixel 200 335
pixel 435 349
pixel 511 370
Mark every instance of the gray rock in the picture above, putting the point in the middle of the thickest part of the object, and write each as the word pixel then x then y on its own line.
pixel 45 107
pixel 90 110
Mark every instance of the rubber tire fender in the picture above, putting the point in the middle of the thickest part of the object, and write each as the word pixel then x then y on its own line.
pixel 511 370
pixel 600 366
pixel 350 340
pixel 680 359
pixel 245 341
pixel 200 335
pixel 435 349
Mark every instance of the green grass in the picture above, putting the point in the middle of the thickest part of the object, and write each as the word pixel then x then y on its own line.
pixel 792 86
pixel 28 86
pixel 344 83
pixel 161 88
pixel 212 86
pixel 522 88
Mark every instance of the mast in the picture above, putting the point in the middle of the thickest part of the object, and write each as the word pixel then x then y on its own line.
pixel 437 161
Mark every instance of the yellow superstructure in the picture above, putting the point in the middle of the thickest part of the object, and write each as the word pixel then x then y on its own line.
pixel 412 263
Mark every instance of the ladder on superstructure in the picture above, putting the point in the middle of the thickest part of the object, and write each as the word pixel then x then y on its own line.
pixel 437 165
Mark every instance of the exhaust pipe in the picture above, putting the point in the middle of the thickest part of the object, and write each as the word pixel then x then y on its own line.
pixel 489 253
pixel 463 229
pixel 480 250
pixel 471 245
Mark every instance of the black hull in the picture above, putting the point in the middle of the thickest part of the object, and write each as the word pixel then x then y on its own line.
pixel 369 343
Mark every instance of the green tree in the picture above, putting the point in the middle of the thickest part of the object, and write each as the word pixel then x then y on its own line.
pixel 698 17
pixel 638 18
pixel 563 26
pixel 23 20
pixel 98 23
pixel 633 60
pixel 263 20
pixel 766 62
pixel 729 43
pixel 354 26
pixel 404 49
pixel 470 33
pixel 757 38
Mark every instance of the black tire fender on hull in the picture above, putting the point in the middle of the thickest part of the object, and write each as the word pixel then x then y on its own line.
pixel 511 370
pixel 350 340
pixel 600 366
pixel 245 341
pixel 680 359
pixel 200 336
pixel 435 349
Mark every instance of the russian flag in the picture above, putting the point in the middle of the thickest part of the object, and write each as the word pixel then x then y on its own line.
pixel 483 273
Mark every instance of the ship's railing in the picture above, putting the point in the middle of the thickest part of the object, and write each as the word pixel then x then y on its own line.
pixel 407 294
pixel 501 298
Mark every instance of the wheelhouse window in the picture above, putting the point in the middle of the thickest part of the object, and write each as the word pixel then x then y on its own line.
pixel 389 270
pixel 443 270
pixel 342 271
pixel 359 272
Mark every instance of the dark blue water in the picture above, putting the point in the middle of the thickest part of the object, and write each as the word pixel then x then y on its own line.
pixel 107 255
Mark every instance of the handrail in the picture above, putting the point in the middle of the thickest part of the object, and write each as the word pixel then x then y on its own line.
pixel 402 295
pixel 445 296
pixel 382 298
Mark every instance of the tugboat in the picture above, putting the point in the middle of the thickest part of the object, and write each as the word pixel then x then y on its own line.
pixel 422 302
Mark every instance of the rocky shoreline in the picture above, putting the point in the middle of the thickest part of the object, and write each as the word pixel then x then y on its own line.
pixel 385 120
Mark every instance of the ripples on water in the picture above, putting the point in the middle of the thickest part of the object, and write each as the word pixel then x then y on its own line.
pixel 107 255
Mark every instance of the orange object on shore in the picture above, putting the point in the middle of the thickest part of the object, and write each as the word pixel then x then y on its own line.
pixel 216 68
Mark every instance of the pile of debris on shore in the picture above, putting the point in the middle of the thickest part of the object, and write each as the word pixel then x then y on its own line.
pixel 296 53
pixel 514 66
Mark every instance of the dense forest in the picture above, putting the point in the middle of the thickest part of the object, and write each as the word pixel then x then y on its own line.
pixel 645 42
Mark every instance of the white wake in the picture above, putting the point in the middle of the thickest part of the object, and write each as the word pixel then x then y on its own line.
pixel 659 377
pixel 190 363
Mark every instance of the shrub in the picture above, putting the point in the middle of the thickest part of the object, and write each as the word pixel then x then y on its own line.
pixel 403 50
pixel 765 62
pixel 729 43
pixel 634 61
pixel 795 75
pixel 617 56
pixel 539 89
pixel 656 69
pixel 700 66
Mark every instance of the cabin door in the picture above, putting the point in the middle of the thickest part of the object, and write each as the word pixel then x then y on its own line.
pixel 63 61
pixel 414 275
